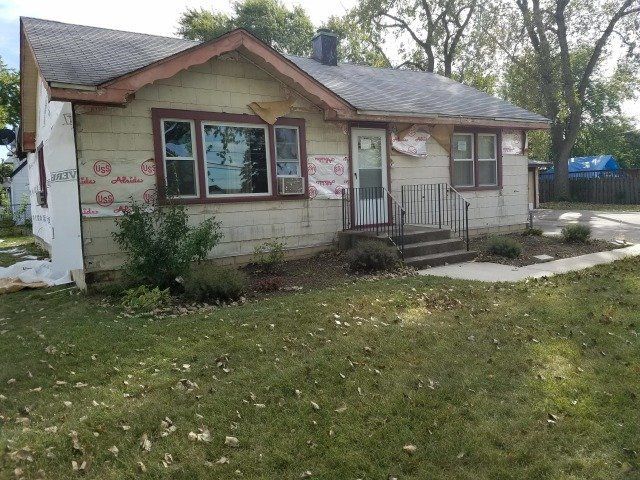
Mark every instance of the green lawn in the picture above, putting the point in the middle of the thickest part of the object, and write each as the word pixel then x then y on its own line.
pixel 537 380
pixel 603 207
pixel 25 243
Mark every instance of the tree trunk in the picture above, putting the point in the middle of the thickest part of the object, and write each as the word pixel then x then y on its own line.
pixel 560 152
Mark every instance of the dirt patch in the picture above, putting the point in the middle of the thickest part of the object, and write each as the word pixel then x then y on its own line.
pixel 539 245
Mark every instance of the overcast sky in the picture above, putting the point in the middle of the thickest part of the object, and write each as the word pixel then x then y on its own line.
pixel 156 17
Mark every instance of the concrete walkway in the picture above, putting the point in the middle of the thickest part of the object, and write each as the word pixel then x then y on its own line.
pixel 604 225
pixel 495 272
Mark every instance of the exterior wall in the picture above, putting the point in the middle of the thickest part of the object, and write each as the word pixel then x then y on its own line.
pixel 56 225
pixel 490 209
pixel 123 138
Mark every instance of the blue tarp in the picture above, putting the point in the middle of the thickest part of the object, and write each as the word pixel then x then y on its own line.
pixel 590 164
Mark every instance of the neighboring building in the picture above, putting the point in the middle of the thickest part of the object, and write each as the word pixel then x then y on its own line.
pixel 265 142
pixel 17 186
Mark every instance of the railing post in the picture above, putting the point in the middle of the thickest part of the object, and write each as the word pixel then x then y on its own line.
pixel 439 206
pixel 466 223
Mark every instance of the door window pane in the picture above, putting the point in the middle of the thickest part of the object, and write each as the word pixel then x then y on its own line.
pixel 179 161
pixel 487 172
pixel 369 152
pixel 287 151
pixel 236 159
pixel 486 147
pixel 463 173
pixel 370 183
pixel 462 146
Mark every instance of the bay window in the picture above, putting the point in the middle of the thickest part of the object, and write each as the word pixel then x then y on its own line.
pixel 476 160
pixel 204 157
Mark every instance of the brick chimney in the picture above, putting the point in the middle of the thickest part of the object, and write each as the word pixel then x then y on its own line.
pixel 325 47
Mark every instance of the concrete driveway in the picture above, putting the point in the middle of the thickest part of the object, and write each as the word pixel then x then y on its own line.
pixel 604 225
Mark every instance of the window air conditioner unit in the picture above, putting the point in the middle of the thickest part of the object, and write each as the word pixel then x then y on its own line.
pixel 290 186
pixel 41 198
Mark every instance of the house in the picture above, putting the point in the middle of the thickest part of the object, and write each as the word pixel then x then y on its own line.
pixel 274 146
pixel 17 187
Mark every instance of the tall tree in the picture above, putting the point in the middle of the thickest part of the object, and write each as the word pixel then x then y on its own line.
pixel 433 34
pixel 358 42
pixel 287 30
pixel 568 40
pixel 9 96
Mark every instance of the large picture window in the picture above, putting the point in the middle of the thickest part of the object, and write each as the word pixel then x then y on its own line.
pixel 236 158
pixel 206 157
pixel 475 160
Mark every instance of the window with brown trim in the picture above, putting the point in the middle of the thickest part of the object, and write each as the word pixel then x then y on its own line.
pixel 476 160
pixel 204 157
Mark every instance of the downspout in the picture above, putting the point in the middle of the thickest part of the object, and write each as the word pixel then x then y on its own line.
pixel 75 145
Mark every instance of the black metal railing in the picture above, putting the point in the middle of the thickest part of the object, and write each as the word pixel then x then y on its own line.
pixel 375 210
pixel 438 205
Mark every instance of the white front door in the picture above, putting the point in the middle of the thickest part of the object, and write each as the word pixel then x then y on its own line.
pixel 370 181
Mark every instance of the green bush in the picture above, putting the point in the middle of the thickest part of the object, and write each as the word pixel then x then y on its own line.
pixel 215 284
pixel 372 256
pixel 576 233
pixel 143 299
pixel 504 247
pixel 268 256
pixel 160 244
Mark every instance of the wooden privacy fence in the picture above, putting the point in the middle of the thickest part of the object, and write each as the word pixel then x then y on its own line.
pixel 605 186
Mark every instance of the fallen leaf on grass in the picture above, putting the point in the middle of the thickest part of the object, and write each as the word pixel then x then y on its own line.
pixel 306 474
pixel 80 467
pixel 168 460
pixel 231 442
pixel 141 467
pixel 315 406
pixel 410 448
pixel 203 435
pixel 114 450
pixel 145 443
pixel 74 440
pixel 340 409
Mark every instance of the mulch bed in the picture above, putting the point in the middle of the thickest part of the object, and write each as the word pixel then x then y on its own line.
pixel 323 270
pixel 539 245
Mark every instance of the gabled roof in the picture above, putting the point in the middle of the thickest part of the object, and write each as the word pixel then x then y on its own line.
pixel 82 55
pixel 407 92
pixel 99 65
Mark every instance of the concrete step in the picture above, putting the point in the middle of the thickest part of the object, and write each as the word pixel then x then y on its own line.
pixel 434 246
pixel 425 235
pixel 437 259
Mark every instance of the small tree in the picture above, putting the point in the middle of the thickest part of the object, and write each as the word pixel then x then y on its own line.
pixel 160 244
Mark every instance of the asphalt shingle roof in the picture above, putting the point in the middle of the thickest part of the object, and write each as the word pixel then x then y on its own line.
pixel 90 56
pixel 83 55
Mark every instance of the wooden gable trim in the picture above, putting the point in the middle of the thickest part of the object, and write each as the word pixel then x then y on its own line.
pixel 121 89
pixel 29 75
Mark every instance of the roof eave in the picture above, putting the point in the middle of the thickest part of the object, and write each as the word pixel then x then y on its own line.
pixel 438 119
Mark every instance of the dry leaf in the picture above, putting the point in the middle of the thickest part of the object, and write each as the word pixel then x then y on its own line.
pixel 341 409
pixel 114 450
pixel 315 406
pixel 222 460
pixel 145 443
pixel 203 435
pixel 231 442
pixel 306 474
pixel 410 448
pixel 75 441
pixel 141 467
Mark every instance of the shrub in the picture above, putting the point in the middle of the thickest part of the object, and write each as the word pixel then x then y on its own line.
pixel 268 284
pixel 143 299
pixel 576 233
pixel 536 232
pixel 504 247
pixel 372 256
pixel 160 244
pixel 268 256
pixel 215 284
